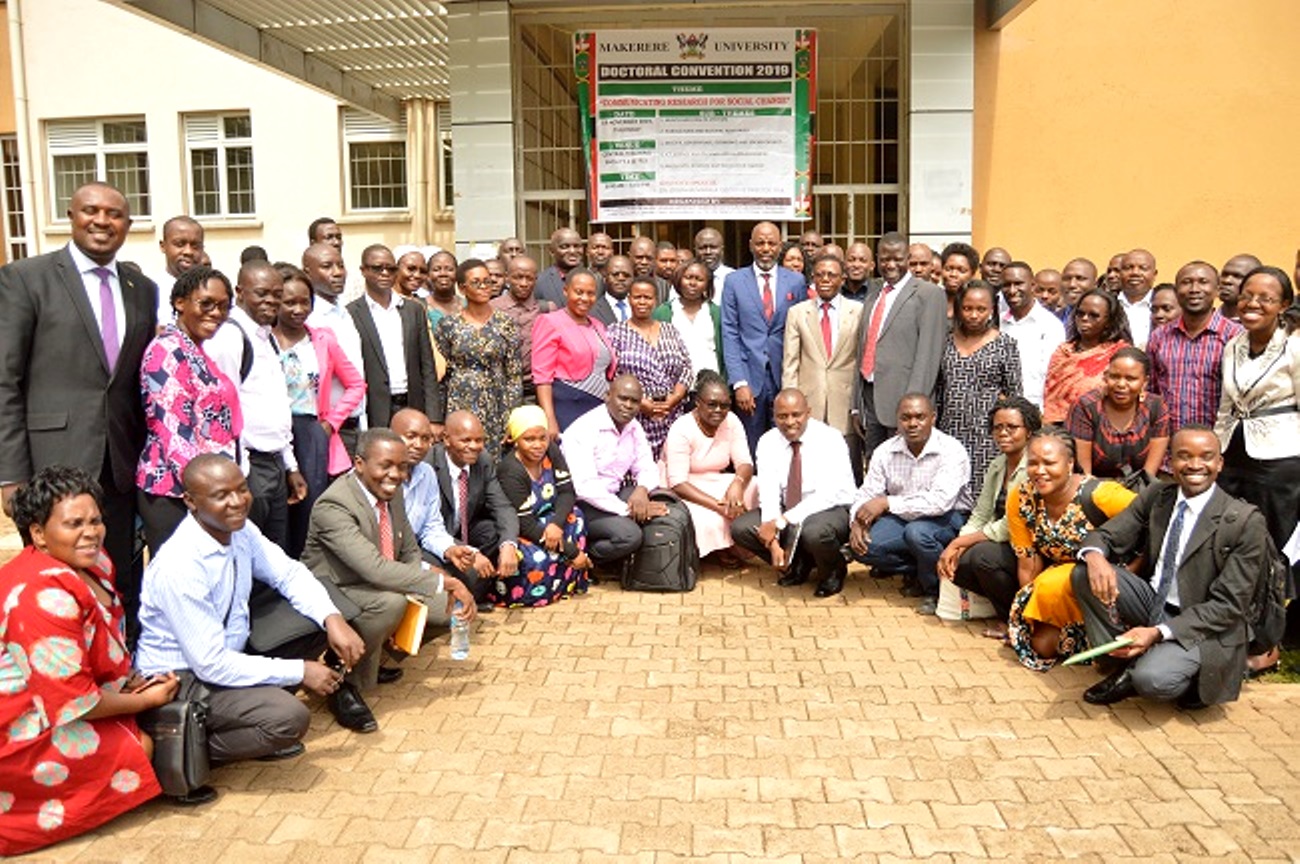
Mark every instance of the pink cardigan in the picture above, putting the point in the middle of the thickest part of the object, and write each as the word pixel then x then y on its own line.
pixel 561 349
pixel 333 364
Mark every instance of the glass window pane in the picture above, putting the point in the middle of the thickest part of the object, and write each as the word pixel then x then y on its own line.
pixel 71 172
pixel 124 132
pixel 378 171
pixel 240 126
pixel 206 182
pixel 129 172
pixel 239 179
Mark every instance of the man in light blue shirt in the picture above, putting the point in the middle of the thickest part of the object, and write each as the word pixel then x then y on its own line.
pixel 423 501
pixel 194 619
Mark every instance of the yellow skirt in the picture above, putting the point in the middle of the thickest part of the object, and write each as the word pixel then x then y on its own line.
pixel 1053 599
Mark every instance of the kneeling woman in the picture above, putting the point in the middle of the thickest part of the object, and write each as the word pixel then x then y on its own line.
pixel 1047 518
pixel 72 757
pixel 553 538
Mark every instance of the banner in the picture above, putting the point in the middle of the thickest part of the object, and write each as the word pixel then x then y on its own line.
pixel 711 124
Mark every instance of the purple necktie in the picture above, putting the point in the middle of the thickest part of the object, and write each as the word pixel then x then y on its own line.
pixel 107 317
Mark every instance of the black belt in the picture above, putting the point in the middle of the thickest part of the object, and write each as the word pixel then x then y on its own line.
pixel 1264 412
pixel 350 423
pixel 398 399
pixel 262 454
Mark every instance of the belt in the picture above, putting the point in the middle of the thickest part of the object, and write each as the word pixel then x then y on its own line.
pixel 350 423
pixel 1248 414
pixel 398 399
pixel 262 454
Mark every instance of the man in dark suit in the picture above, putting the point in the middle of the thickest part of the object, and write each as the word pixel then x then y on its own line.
pixel 618 282
pixel 360 540
pixel 904 328
pixel 74 325
pixel 1186 609
pixel 754 304
pixel 395 349
pixel 474 507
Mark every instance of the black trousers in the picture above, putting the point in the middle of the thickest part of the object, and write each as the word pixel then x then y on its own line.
pixel 270 510
pixel 119 512
pixel 311 449
pixel 989 569
pixel 611 537
pixel 160 515
pixel 875 430
pixel 484 537
pixel 823 536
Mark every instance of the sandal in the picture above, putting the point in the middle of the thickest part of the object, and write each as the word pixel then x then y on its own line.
pixel 995 633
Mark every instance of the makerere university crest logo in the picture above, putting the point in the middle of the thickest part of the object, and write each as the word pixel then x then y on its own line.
pixel 692 45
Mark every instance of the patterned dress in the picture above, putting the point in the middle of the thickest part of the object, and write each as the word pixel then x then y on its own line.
pixel 1072 372
pixel 190 408
pixel 1049 597
pixel 484 372
pixel 659 368
pixel 1118 452
pixel 60 775
pixel 968 389
pixel 544 576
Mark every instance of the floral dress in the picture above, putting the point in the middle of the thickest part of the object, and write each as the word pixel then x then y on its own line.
pixel 1049 598
pixel 61 775
pixel 484 372
pixel 544 576
pixel 659 368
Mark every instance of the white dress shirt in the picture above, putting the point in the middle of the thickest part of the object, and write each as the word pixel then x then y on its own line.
pixel 91 281
pixel 926 485
pixel 165 282
pixel 600 456
pixel 453 478
pixel 194 606
pixel 837 303
pixel 719 277
pixel 389 324
pixel 827 472
pixel 1194 507
pixel 697 334
pixel 336 318
pixel 264 394
pixel 1139 317
pixel 1037 335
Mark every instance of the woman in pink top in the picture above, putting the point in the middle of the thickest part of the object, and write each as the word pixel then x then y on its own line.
pixel 189 406
pixel 573 361
pixel 313 362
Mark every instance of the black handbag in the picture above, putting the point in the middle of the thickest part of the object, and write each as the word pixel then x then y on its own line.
pixel 180 738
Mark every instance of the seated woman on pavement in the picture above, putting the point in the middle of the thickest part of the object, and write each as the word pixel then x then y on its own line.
pixel 1121 430
pixel 552 534
pixel 980 559
pixel 707 463
pixel 1047 518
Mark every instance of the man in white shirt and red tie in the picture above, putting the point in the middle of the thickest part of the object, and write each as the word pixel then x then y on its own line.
pixel 805 486
pixel 904 328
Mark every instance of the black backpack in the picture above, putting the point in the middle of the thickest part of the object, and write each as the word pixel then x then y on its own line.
pixel 1274 590
pixel 668 559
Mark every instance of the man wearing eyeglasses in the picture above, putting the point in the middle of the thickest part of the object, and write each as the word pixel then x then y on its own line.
pixel 395 349
pixel 821 338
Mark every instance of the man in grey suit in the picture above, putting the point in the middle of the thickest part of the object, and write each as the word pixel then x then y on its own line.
pixel 904 328
pixel 1186 609
pixel 395 348
pixel 361 541
pixel 74 325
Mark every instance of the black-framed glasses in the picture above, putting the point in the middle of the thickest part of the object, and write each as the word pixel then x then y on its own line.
pixel 207 307
pixel 386 269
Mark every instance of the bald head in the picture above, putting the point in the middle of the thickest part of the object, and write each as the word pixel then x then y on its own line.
pixel 207 468
pixel 323 265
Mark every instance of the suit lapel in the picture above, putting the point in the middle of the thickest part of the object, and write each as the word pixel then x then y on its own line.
pixel 370 520
pixel 439 459
pixel 1206 524
pixel 849 312
pixel 76 289
pixel 366 325
pixel 904 294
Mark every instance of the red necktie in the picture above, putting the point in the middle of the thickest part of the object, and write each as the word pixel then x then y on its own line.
pixel 826 327
pixel 768 305
pixel 462 503
pixel 794 480
pixel 873 333
pixel 385 531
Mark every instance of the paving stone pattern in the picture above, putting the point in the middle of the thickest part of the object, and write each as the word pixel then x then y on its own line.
pixel 747 723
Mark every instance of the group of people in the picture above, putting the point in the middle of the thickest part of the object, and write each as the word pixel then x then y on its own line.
pixel 486 433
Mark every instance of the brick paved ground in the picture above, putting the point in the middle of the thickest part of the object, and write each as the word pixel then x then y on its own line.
pixel 745 723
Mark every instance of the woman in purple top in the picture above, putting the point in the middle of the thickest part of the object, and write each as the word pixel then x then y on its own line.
pixel 654 352
pixel 190 407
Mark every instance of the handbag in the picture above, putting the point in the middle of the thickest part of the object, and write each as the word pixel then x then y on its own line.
pixel 180 738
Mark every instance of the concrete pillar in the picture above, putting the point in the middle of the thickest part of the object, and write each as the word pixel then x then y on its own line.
pixel 482 120
pixel 941 117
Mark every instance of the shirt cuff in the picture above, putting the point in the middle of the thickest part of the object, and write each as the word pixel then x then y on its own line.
pixel 738 385
pixel 1086 549
pixel 1166 634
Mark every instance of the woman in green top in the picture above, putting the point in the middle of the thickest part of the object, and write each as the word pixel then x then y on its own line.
pixel 980 558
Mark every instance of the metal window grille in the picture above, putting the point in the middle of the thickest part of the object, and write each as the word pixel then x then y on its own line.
pixel 375 163
pixel 115 151
pixel 15 215
pixel 220 152
pixel 447 186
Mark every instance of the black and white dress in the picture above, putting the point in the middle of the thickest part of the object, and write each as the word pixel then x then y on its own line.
pixel 967 390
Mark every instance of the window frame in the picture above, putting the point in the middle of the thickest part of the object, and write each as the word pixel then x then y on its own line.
pixel 361 127
pixel 222 144
pixel 100 150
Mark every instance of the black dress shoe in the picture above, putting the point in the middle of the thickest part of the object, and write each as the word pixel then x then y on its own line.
pixel 291 752
pixel 792 577
pixel 831 585
pixel 195 797
pixel 389 674
pixel 351 710
pixel 1108 691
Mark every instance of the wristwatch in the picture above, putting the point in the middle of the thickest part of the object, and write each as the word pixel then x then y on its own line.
pixel 780 523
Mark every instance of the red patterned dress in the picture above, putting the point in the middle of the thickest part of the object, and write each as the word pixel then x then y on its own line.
pixel 61 775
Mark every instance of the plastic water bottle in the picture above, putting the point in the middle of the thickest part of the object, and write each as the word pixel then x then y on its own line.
pixel 459 633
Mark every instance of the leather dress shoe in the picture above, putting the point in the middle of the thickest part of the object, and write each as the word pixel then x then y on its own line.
pixel 831 585
pixel 389 674
pixel 195 797
pixel 351 710
pixel 797 573
pixel 1112 689
pixel 293 751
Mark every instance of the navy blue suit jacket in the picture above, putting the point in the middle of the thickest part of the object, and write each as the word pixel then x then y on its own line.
pixel 752 346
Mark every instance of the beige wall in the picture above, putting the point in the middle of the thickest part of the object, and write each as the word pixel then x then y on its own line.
pixel 1171 124
pixel 164 74
pixel 6 76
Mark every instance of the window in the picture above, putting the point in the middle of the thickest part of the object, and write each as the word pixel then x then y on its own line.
pixel 447 188
pixel 115 151
pixel 15 219
pixel 375 161
pixel 220 152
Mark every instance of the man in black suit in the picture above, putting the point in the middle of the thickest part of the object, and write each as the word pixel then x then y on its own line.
pixel 74 325
pixel 395 349
pixel 612 306
pixel 474 508
pixel 1186 610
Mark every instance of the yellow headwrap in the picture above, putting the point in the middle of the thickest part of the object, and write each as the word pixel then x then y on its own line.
pixel 523 418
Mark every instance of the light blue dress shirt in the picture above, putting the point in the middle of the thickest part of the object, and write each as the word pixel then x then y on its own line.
pixel 424 510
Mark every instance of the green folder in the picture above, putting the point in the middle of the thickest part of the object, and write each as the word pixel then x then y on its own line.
pixel 1097 652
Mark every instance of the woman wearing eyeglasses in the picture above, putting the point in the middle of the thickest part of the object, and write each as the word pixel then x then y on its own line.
pixel 190 407
pixel 481 347
pixel 1097 329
